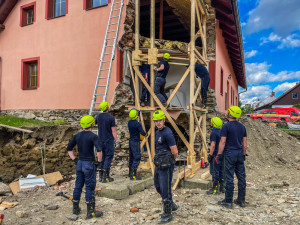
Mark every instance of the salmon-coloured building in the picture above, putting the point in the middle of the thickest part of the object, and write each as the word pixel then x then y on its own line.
pixel 50 52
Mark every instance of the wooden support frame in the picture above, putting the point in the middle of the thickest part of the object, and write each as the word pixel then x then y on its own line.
pixel 197 120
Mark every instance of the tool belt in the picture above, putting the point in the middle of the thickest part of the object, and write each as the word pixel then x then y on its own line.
pixel 164 159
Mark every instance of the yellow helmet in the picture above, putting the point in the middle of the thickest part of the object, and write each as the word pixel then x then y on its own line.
pixel 167 56
pixel 103 106
pixel 235 111
pixel 216 122
pixel 158 115
pixel 133 114
pixel 87 121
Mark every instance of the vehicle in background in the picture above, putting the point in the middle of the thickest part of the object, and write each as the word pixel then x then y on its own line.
pixel 283 114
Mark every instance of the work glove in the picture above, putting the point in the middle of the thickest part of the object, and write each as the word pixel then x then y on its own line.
pixel 117 144
pixel 219 158
pixel 97 164
pixel 210 158
pixel 244 157
pixel 75 161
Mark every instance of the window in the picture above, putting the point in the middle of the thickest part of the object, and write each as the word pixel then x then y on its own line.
pixel 295 95
pixel 273 112
pixel 90 4
pixel 221 84
pixel 56 8
pixel 293 113
pixel 30 73
pixel 27 14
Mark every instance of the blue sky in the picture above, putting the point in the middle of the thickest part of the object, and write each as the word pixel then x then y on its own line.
pixel 271 35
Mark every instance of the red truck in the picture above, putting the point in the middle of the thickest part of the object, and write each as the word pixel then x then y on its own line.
pixel 287 114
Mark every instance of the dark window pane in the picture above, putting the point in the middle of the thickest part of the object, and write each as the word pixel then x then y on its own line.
pixel 293 113
pixel 29 16
pixel 59 8
pixel 295 95
pixel 97 3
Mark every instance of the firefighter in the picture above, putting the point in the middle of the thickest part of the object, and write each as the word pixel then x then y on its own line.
pixel 107 134
pixel 145 70
pixel 85 166
pixel 216 170
pixel 164 160
pixel 135 129
pixel 160 82
pixel 233 145
pixel 203 74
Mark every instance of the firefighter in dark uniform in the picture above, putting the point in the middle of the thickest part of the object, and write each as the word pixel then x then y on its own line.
pixel 233 145
pixel 107 134
pixel 164 160
pixel 145 70
pixel 203 74
pixel 85 166
pixel 160 81
pixel 216 170
pixel 135 129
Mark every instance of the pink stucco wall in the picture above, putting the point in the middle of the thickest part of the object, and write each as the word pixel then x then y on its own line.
pixel 69 48
pixel 223 61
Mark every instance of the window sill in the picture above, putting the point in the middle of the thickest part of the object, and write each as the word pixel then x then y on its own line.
pixel 24 25
pixel 29 89
pixel 50 18
pixel 96 7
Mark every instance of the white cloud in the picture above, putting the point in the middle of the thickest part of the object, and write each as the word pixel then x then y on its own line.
pixel 284 87
pixel 290 41
pixel 250 54
pixel 281 16
pixel 257 73
pixel 254 93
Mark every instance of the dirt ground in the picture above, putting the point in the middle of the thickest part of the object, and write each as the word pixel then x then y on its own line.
pixel 273 193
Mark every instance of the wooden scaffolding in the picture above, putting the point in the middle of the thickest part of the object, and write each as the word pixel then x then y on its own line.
pixel 197 115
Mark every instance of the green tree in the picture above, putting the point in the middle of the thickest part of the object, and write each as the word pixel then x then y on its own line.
pixel 297 106
pixel 246 109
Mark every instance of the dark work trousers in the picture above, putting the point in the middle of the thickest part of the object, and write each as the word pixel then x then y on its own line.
pixel 134 154
pixel 235 164
pixel 85 175
pixel 204 88
pixel 159 89
pixel 216 170
pixel 108 151
pixel 163 182
pixel 145 93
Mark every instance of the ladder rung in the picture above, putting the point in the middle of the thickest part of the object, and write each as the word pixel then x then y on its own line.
pixel 116 9
pixel 117 3
pixel 109 46
pixel 103 77
pixel 99 94
pixel 101 85
pixel 111 31
pixel 113 24
pixel 107 53
pixel 110 38
pixel 104 69
pixel 114 16
pixel 105 61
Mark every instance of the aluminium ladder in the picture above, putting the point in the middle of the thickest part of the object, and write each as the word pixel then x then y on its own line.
pixel 107 55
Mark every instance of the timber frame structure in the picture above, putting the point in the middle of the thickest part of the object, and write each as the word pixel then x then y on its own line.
pixel 197 115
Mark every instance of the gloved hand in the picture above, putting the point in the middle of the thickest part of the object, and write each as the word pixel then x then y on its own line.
pixel 210 158
pixel 244 157
pixel 117 144
pixel 218 158
pixel 75 161
pixel 155 68
pixel 97 164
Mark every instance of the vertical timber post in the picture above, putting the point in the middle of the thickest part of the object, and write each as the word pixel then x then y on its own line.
pixel 161 19
pixel 192 83
pixel 152 43
pixel 137 45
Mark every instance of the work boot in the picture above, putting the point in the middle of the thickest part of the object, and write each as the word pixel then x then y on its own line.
pixel 225 204
pixel 101 175
pixel 142 104
pixel 106 177
pixel 91 212
pixel 130 173
pixel 134 176
pixel 239 202
pixel 214 190
pixel 167 215
pixel 174 207
pixel 222 186
pixel 76 209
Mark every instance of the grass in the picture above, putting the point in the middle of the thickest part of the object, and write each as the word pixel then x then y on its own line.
pixel 20 122
pixel 292 131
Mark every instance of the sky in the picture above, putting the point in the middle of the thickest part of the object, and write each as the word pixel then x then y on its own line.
pixel 271 40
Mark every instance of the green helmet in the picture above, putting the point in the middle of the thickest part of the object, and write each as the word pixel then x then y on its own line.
pixel 235 111
pixel 216 122
pixel 167 56
pixel 133 114
pixel 158 115
pixel 103 106
pixel 87 121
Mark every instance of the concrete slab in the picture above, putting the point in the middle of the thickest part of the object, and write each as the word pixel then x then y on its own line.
pixel 122 187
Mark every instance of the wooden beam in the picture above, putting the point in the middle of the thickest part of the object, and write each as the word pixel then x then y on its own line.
pixel 161 19
pixel 197 93
pixel 178 85
pixel 137 24
pixel 16 128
